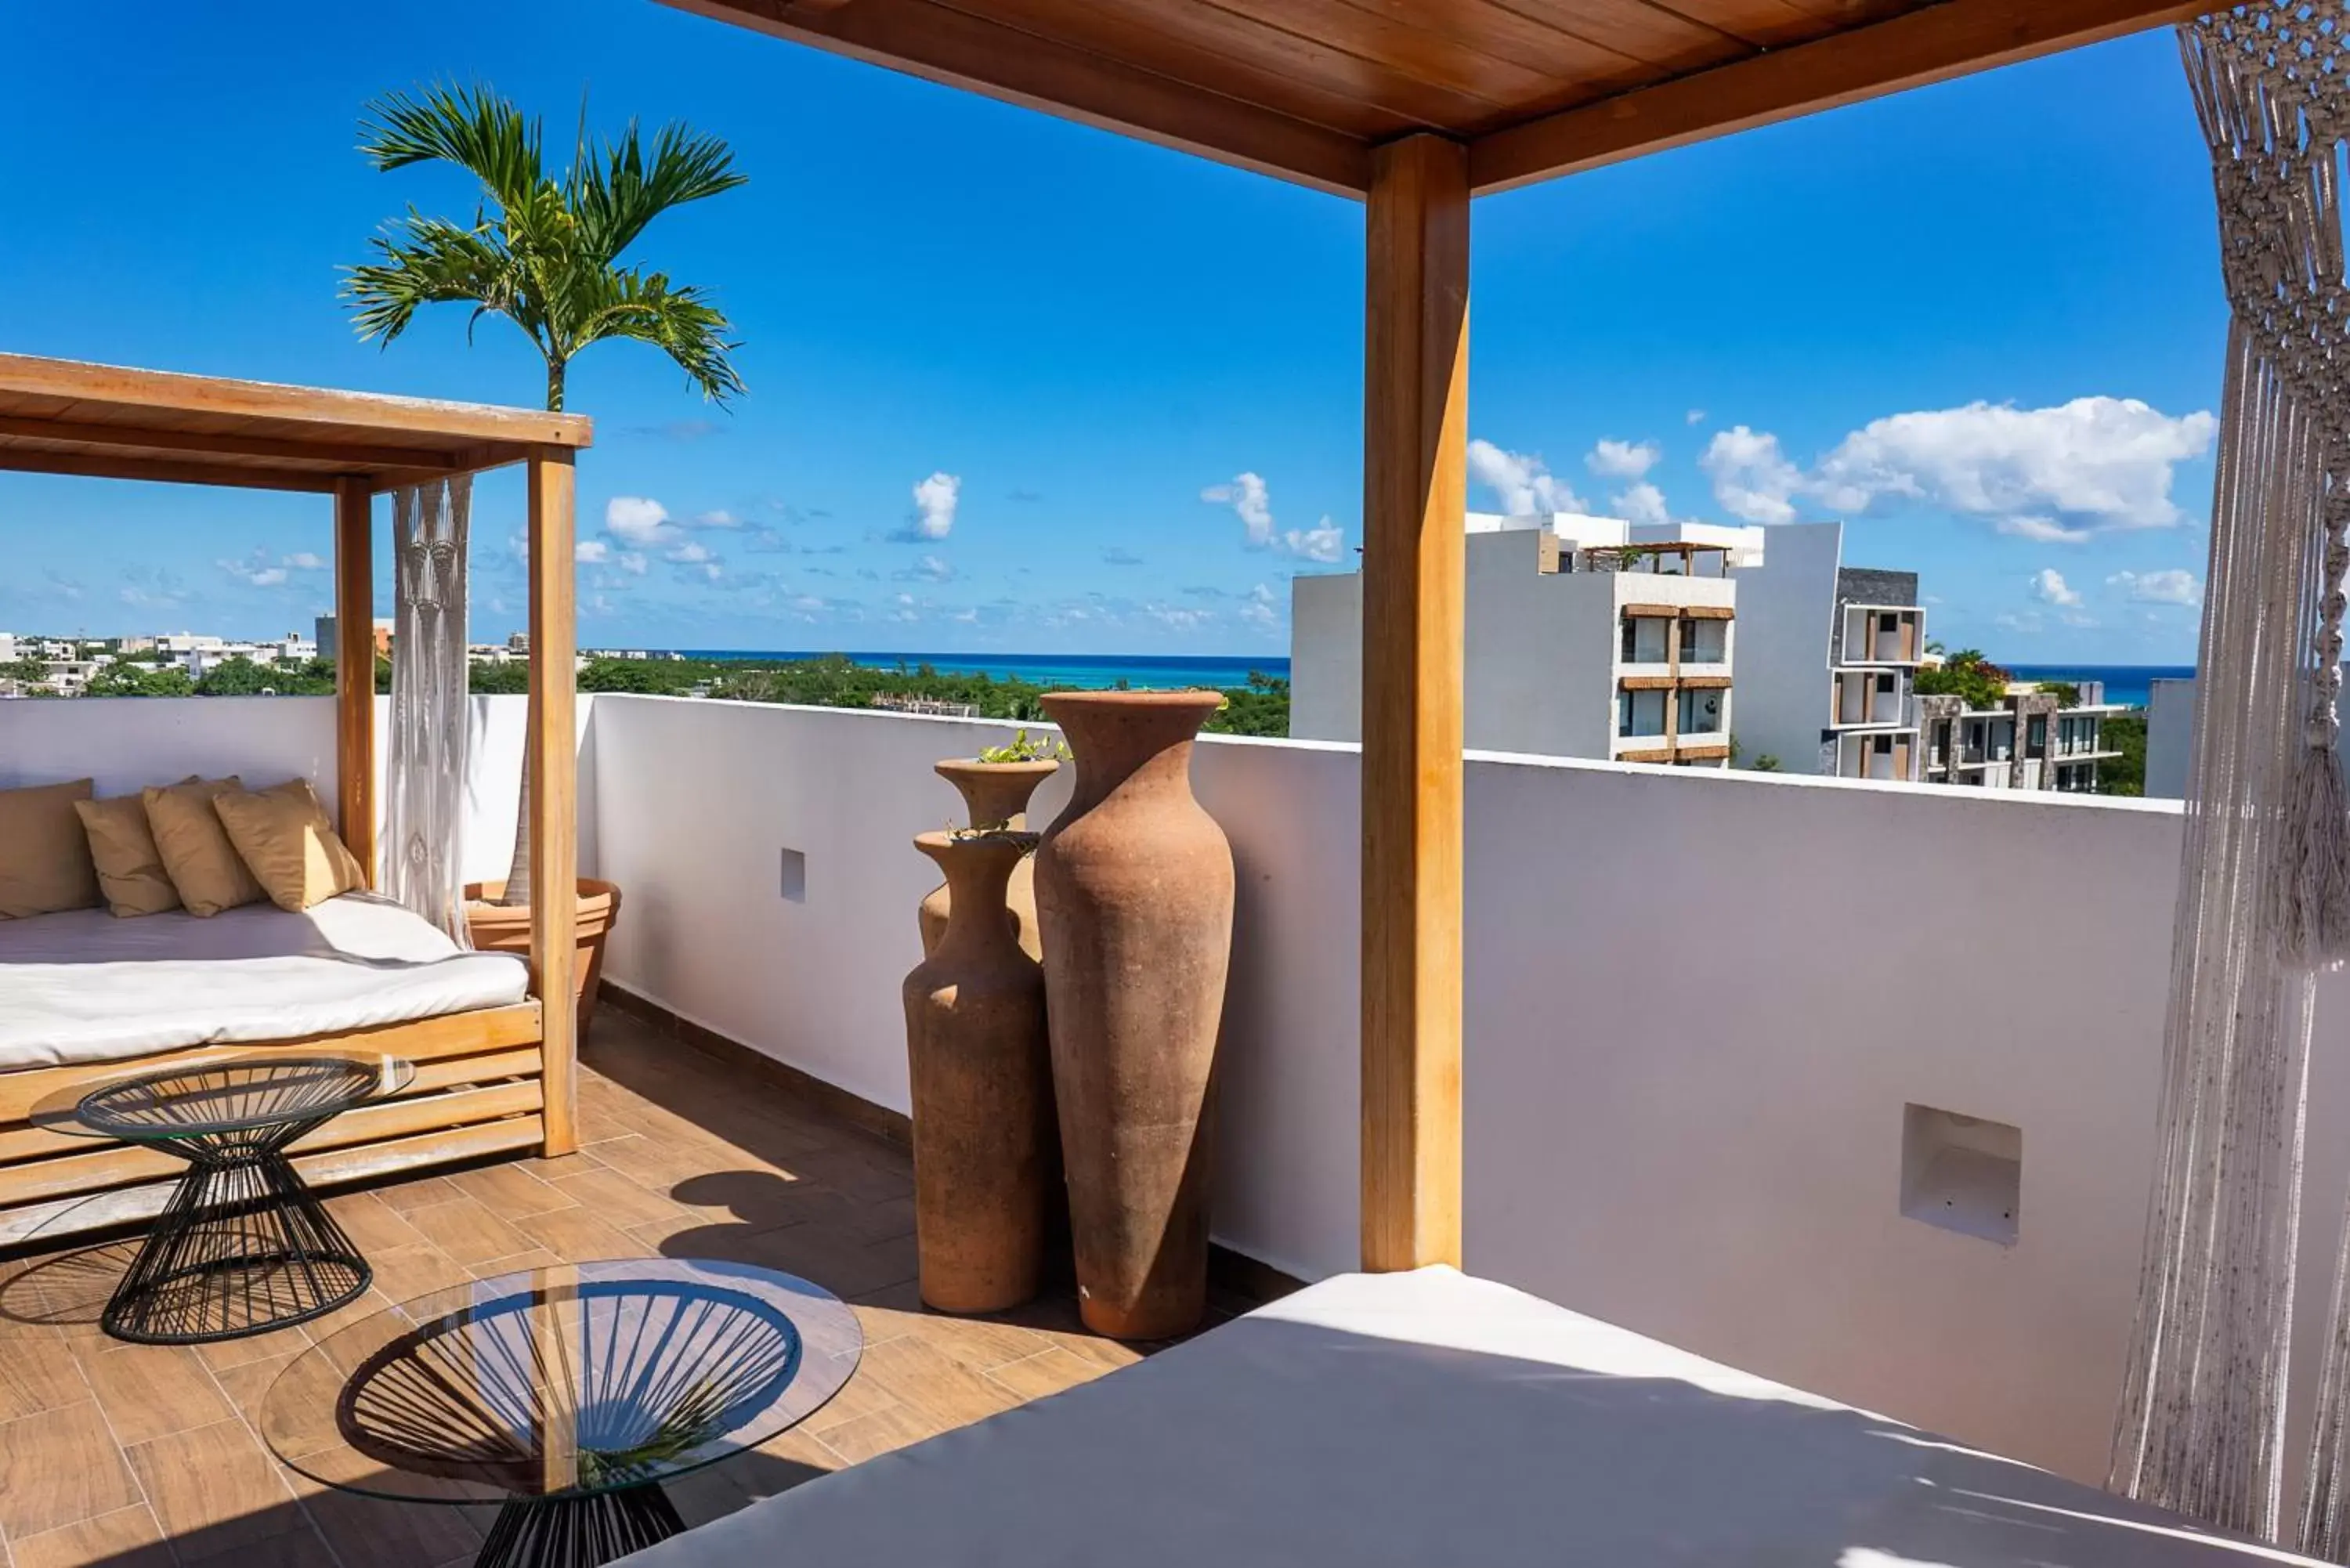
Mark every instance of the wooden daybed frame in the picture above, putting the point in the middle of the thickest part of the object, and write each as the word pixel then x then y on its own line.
pixel 490 1081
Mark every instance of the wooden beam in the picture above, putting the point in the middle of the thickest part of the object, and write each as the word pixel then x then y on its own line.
pixel 1928 44
pixel 1415 493
pixel 164 469
pixel 553 745
pixel 163 398
pixel 941 43
pixel 333 455
pixel 355 670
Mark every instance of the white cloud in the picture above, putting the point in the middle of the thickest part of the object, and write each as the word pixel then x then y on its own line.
pixel 1622 459
pixel 1694 417
pixel 1644 502
pixel 636 519
pixel 718 519
pixel 2027 623
pixel 692 553
pixel 2049 588
pixel 1247 496
pixel 2175 586
pixel 2053 475
pixel 592 552
pixel 303 561
pixel 255 572
pixel 935 500
pixel 1179 617
pixel 1753 479
pixel 1324 542
pixel 632 562
pixel 932 567
pixel 1263 609
pixel 1521 481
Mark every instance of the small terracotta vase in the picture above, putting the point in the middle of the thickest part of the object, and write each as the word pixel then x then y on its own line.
pixel 496 928
pixel 992 793
pixel 1134 887
pixel 986 1159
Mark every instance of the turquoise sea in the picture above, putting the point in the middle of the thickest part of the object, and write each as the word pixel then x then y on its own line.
pixel 2127 684
pixel 1083 669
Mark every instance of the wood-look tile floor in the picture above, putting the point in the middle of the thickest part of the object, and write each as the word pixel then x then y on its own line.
pixel 141 1457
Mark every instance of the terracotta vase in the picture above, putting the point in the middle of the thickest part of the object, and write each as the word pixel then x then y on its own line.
pixel 1134 887
pixel 503 929
pixel 986 1162
pixel 992 792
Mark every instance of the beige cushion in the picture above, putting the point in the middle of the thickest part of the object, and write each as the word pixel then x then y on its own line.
pixel 45 864
pixel 130 871
pixel 197 856
pixel 283 834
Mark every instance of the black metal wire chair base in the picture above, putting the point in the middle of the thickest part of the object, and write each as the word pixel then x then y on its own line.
pixel 242 1247
pixel 579 1531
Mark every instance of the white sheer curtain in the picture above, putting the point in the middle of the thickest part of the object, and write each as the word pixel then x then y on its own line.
pixel 425 773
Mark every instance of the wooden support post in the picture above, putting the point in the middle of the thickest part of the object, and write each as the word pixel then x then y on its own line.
pixel 1415 497
pixel 553 750
pixel 355 669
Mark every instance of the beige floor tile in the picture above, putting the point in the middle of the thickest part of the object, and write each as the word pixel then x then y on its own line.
pixel 467 1231
pixel 578 1236
pixel 58 1467
pixel 1047 1372
pixel 126 1538
pixel 151 1391
pixel 614 1198
pixel 404 1273
pixel 509 1191
pixel 372 1224
pixel 514 1264
pixel 246 1386
pixel 401 1197
pixel 370 1533
pixel 214 1490
pixel 38 1374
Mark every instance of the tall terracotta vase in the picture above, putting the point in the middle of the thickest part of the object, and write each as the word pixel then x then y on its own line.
pixel 992 793
pixel 1134 887
pixel 986 1165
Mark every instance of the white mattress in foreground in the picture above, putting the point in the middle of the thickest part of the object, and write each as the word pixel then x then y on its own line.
pixel 87 986
pixel 1433 1420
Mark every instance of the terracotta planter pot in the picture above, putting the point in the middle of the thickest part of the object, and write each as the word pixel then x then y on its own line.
pixel 992 792
pixel 497 929
pixel 1134 887
pixel 986 1159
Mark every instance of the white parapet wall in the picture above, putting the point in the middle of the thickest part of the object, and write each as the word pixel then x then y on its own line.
pixel 125 743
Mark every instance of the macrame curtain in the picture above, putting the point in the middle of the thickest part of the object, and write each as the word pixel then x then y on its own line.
pixel 2264 879
pixel 425 773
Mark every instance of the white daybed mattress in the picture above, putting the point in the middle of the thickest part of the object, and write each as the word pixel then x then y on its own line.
pixel 1433 1420
pixel 85 987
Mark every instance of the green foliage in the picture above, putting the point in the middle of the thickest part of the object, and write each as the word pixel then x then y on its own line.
pixel 132 680
pixel 1966 674
pixel 1765 763
pixel 2124 774
pixel 543 252
pixel 1025 748
pixel 1260 708
pixel 2067 695
pixel 510 679
pixel 27 671
pixel 240 677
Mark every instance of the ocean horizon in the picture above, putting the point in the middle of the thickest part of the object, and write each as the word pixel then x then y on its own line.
pixel 2128 684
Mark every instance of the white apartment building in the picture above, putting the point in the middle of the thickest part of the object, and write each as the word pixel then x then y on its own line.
pixel 1588 637
pixel 1829 661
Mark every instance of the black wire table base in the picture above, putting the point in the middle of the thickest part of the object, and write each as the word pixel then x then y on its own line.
pixel 579 1531
pixel 242 1247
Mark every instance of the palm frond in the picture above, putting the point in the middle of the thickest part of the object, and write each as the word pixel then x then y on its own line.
pixel 429 261
pixel 619 195
pixel 470 127
pixel 679 322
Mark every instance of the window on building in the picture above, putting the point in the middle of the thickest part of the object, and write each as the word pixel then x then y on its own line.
pixel 2036 736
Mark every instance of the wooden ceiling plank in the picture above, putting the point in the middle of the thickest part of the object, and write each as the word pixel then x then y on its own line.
pixel 1251 61
pixel 164 470
pixel 165 399
pixel 1654 35
pixel 340 456
pixel 940 43
pixel 1918 46
pixel 1396 39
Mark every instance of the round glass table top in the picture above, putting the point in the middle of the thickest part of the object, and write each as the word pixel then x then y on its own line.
pixel 562 1382
pixel 242 1094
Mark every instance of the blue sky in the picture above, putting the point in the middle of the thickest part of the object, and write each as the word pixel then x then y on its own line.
pixel 1019 385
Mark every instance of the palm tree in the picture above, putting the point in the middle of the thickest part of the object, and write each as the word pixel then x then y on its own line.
pixel 543 252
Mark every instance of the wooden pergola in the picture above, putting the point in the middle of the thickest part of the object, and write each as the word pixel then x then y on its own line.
pixel 66 416
pixel 1417 105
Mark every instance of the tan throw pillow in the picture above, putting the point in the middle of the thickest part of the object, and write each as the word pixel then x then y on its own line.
pixel 130 871
pixel 287 844
pixel 197 856
pixel 45 864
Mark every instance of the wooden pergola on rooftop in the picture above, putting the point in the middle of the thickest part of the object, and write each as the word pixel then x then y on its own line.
pixel 1417 105
pixel 62 416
